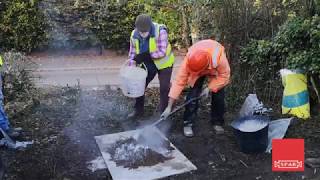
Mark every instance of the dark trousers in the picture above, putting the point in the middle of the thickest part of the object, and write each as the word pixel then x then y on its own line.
pixel 217 105
pixel 164 76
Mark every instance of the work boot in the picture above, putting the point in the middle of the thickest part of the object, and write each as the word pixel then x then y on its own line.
pixel 187 131
pixel 218 129
pixel 13 133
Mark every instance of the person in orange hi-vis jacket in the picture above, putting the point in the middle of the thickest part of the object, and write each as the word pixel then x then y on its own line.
pixel 205 59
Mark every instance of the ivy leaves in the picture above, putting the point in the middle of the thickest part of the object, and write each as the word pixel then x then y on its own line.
pixel 296 45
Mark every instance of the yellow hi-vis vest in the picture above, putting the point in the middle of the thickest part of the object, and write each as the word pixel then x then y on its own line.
pixel 161 63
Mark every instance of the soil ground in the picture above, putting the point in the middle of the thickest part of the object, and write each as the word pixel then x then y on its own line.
pixel 64 122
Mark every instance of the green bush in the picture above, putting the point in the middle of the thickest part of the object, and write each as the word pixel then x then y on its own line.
pixel 163 13
pixel 19 89
pixel 22 26
pixel 295 46
pixel 114 22
pixel 298 43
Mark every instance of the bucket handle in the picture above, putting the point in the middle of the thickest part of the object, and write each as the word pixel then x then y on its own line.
pixel 129 61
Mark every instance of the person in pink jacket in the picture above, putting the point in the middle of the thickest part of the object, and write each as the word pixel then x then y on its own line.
pixel 205 59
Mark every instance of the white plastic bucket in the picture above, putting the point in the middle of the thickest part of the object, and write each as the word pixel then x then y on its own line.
pixel 133 80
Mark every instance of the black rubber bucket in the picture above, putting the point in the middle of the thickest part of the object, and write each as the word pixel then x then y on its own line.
pixel 252 133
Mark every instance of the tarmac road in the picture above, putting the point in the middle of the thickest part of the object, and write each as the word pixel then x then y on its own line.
pixel 85 68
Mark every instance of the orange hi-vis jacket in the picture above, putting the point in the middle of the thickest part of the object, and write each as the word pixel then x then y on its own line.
pixel 218 70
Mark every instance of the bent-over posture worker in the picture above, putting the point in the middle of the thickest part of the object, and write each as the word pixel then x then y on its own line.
pixel 149 45
pixel 205 59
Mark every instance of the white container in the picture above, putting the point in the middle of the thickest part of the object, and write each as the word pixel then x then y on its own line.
pixel 133 80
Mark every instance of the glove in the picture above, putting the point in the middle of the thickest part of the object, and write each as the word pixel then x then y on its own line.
pixel 142 57
pixel 166 113
pixel 205 92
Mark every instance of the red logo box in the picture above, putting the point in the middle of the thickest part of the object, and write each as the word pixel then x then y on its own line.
pixel 288 155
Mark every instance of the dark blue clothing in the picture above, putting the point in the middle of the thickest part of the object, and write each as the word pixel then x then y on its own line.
pixel 4 122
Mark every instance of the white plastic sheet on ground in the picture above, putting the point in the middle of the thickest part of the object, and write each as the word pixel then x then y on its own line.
pixel 277 130
pixel 97 164
pixel 177 165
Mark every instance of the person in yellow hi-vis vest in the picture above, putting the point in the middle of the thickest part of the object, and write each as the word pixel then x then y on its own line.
pixel 4 122
pixel 149 45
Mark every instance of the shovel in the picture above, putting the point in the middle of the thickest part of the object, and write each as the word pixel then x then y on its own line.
pixel 172 112
pixel 141 136
pixel 177 109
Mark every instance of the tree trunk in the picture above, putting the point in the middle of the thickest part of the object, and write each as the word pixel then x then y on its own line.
pixel 195 25
pixel 185 28
pixel 315 82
